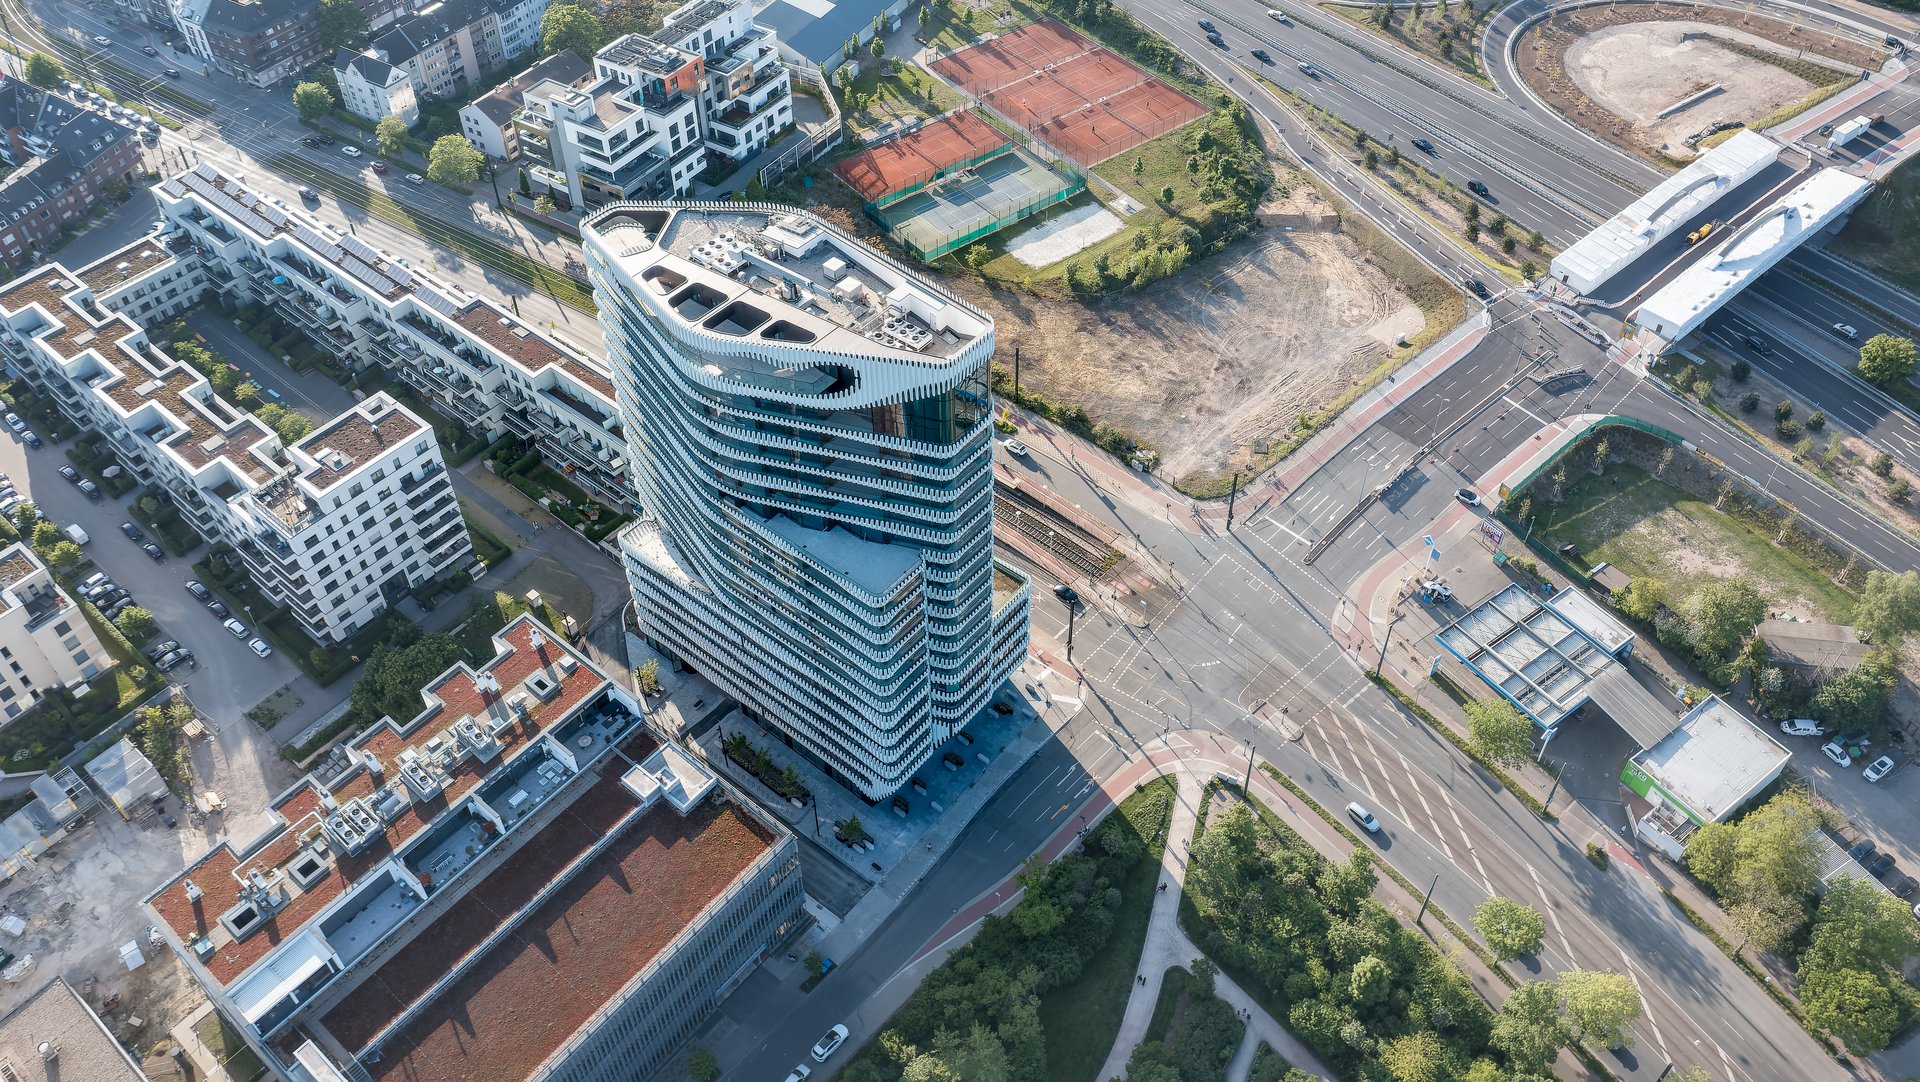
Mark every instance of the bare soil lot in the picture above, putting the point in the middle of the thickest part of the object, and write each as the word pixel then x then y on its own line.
pixel 1211 366
pixel 1612 69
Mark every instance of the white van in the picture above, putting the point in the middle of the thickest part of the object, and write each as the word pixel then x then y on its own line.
pixel 77 535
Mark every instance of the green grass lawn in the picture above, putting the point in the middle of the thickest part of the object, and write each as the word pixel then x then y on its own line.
pixel 1646 527
pixel 1884 233
pixel 894 90
pixel 1082 1019
pixel 227 1047
pixel 948 29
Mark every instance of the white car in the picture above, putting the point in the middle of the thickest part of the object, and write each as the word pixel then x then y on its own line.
pixel 800 1073
pixel 238 629
pixel 1879 768
pixel 1014 447
pixel 415 178
pixel 1278 16
pixel 1803 727
pixel 830 1043
pixel 259 646
pixel 102 40
pixel 351 152
pixel 1837 753
pixel 1846 331
pixel 1359 814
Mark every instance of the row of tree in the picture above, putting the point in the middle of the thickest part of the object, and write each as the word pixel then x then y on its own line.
pixel 1765 870
pixel 975 1019
pixel 1374 999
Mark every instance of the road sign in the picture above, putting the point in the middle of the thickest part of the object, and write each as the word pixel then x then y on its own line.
pixel 1433 554
pixel 1427 540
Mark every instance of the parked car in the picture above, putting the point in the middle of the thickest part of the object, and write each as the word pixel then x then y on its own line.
pixel 800 1073
pixel 174 660
pixel 219 608
pixel 1837 753
pixel 1879 768
pixel 198 590
pixel 1014 447
pixel 1424 146
pixel 31 439
pixel 92 580
pixel 10 501
pixel 70 474
pixel 133 532
pixel 259 646
pixel 160 650
pixel 91 491
pixel 1879 866
pixel 1861 850
pixel 1360 815
pixel 14 421
pixel 154 552
pixel 308 195
pixel 829 1044
pixel 1904 886
pixel 1803 727
pixel 113 611
pixel 234 627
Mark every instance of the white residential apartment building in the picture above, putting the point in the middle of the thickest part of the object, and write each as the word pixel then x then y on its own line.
pixel 518 884
pixel 748 92
pixel 813 438
pixel 372 88
pixel 435 52
pixel 45 641
pixel 710 82
pixel 468 355
pixel 335 527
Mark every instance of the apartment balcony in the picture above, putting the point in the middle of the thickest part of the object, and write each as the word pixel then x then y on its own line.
pixel 574 403
pixel 413 481
pixel 648 173
pixel 737 117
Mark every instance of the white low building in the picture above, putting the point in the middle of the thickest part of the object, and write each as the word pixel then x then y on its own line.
pixel 1709 767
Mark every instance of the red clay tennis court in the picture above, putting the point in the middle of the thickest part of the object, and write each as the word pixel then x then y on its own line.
pixel 1085 101
pixel 903 164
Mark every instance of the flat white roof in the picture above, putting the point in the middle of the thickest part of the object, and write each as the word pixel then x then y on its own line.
pixel 1628 235
pixel 1715 761
pixel 1816 203
pixel 1587 614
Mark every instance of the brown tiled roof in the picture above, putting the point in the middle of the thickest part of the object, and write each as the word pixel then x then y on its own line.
pixel 213 874
pixel 528 349
pixel 534 989
pixel 455 934
pixel 359 439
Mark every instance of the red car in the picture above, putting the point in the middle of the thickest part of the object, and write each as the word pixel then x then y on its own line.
pixel 379 166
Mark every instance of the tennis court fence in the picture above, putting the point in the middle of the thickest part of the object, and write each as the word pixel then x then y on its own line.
pixel 928 244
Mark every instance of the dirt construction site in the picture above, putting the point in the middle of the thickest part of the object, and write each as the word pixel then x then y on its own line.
pixel 1616 70
pixel 1219 360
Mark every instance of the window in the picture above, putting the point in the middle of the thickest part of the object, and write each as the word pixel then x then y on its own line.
pixel 63 628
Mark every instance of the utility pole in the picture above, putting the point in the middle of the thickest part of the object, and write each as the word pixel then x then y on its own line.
pixel 1016 372
pixel 1381 666
pixel 1247 786
pixel 1428 898
pixel 1073 611
pixel 1232 495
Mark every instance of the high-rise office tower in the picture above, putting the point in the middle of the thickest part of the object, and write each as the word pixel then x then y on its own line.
pixel 811 433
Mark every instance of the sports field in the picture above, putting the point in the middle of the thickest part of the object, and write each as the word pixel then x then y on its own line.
pixel 908 161
pixel 967 205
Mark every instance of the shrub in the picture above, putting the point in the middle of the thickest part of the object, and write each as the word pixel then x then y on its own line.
pixel 1788 429
pixel 1899 490
pixel 1783 409
pixel 1740 371
pixel 1881 463
pixel 1816 421
pixel 1749 402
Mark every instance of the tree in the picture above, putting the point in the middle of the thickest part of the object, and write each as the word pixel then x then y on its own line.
pixel 1853 1005
pixel 64 556
pixel 46 534
pixel 544 204
pixel 878 46
pixel 453 160
pixel 1139 169
pixel 1850 982
pixel 1509 927
pixel 312 100
pixel 1166 194
pixel 391 136
pixel 1599 1005
pixel 44 71
pixel 1528 1029
pixel 1641 598
pixel 1416 1057
pixel 703 1066
pixel 1858 698
pixel 647 676
pixel 1889 606
pixel 1370 981
pixel 1722 613
pixel 340 24
pixel 246 391
pixel 569 26
pixel 1501 732
pixel 289 425
pixel 1762 866
pixel 137 624
pixel 26 518
pixel 1886 360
